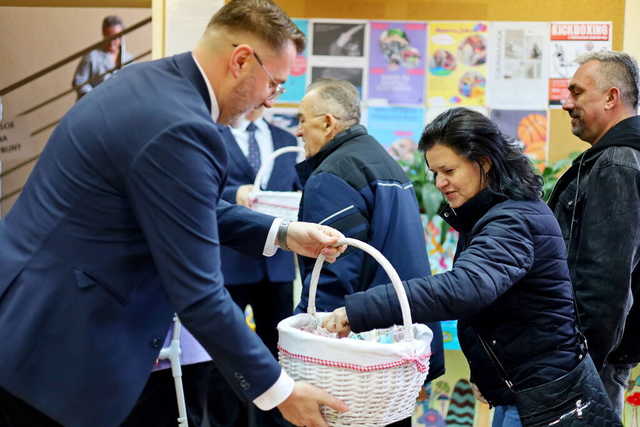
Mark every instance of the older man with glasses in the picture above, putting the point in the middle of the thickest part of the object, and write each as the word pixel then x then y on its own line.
pixel 352 184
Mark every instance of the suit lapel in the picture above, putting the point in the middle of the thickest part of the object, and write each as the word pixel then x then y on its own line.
pixel 236 155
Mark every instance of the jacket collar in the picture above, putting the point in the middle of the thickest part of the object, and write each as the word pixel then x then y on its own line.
pixel 625 133
pixel 306 168
pixel 190 71
pixel 465 217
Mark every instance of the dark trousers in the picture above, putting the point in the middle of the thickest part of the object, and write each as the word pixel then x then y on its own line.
pixel 270 302
pixel 157 405
pixel 15 412
pixel 402 423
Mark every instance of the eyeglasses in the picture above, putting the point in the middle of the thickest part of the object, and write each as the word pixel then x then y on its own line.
pixel 277 89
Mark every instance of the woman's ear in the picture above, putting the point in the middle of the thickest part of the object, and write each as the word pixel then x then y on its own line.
pixel 485 163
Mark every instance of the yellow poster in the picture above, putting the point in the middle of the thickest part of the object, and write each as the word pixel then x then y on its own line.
pixel 457 63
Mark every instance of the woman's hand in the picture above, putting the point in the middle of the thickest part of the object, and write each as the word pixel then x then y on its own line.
pixel 338 322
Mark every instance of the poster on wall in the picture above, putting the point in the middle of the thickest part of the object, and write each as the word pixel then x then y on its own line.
pixel 527 127
pixel 398 129
pixel 339 50
pixel 518 65
pixel 434 112
pixel 296 83
pixel 396 64
pixel 15 140
pixel 568 41
pixel 457 63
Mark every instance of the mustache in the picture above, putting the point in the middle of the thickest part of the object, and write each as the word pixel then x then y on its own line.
pixel 574 115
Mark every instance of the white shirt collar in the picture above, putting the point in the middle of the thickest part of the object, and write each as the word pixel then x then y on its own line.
pixel 241 124
pixel 215 110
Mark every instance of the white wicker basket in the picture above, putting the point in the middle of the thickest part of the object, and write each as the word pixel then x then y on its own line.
pixel 378 382
pixel 283 204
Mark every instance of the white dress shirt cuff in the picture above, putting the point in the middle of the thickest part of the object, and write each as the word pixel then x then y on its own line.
pixel 270 247
pixel 276 394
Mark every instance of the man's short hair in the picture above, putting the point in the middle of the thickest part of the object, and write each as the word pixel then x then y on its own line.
pixel 341 99
pixel 111 21
pixel 262 18
pixel 617 69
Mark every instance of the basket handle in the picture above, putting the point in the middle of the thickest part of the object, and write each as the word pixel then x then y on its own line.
pixel 270 160
pixel 388 268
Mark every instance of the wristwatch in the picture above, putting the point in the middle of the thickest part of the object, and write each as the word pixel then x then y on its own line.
pixel 282 234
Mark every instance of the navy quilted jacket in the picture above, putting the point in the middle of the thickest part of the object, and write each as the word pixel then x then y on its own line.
pixel 509 284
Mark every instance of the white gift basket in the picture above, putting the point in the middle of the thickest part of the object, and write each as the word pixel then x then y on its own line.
pixel 379 382
pixel 283 204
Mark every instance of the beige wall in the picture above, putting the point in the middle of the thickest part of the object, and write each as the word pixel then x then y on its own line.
pixel 32 38
pixel 631 43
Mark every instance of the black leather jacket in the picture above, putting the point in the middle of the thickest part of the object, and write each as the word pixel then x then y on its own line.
pixel 604 245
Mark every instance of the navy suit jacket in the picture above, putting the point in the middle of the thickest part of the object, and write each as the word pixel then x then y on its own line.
pixel 237 267
pixel 119 226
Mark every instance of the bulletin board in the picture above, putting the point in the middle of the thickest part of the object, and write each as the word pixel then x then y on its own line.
pixel 561 141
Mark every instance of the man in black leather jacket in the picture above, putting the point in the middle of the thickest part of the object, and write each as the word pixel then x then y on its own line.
pixel 597 203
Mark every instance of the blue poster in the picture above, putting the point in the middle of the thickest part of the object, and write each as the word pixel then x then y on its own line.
pixel 450 334
pixel 398 129
pixel 297 81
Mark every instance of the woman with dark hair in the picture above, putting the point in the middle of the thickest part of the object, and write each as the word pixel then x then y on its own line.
pixel 509 286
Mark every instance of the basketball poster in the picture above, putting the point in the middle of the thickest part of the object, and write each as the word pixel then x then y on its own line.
pixel 457 63
pixel 527 127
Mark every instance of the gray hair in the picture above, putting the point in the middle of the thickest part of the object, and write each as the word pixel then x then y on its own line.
pixel 111 21
pixel 617 69
pixel 341 97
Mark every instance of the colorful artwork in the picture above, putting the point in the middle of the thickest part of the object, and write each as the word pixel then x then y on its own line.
pixel 396 64
pixel 398 129
pixel 296 84
pixel 457 63
pixel 462 405
pixel 449 400
pixel 442 240
pixel 630 414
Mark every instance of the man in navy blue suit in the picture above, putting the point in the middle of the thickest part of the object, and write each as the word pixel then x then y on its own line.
pixel 120 225
pixel 268 285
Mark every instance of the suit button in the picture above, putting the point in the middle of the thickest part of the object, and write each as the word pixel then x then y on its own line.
pixel 156 343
